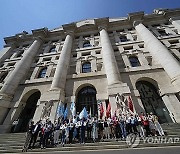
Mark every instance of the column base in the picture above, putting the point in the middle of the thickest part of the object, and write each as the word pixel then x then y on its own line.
pixel 48 104
pixel 5 129
pixel 5 101
pixel 113 90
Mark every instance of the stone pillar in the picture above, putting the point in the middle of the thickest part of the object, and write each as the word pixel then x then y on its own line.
pixel 176 23
pixel 12 82
pixel 21 69
pixel 160 53
pixel 109 59
pixel 59 79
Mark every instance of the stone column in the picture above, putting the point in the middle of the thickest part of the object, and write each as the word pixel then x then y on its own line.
pixel 176 23
pixel 21 68
pixel 59 79
pixel 12 82
pixel 109 59
pixel 160 53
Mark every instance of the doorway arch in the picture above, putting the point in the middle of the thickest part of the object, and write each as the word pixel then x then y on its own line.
pixel 152 100
pixel 86 97
pixel 28 111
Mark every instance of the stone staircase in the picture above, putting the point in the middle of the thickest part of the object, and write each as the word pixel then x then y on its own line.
pixel 13 143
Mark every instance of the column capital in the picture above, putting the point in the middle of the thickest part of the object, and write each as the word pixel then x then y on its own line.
pixel 173 19
pixel 137 22
pixel 39 38
pixel 42 32
pixel 102 23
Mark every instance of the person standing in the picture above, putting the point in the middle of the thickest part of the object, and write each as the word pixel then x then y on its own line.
pixel 56 132
pixel 89 127
pixel 101 128
pixel 71 130
pixel 122 123
pixel 151 124
pixel 140 127
pixel 145 122
pixel 106 128
pixel 94 129
pixel 35 133
pixel 63 137
pixel 158 126
pixel 30 129
pixel 83 129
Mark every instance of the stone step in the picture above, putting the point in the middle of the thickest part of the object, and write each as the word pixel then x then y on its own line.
pixel 83 147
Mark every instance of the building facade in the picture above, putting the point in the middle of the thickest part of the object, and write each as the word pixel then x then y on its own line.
pixel 93 62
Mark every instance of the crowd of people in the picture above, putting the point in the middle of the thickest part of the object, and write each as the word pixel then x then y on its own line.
pixel 90 129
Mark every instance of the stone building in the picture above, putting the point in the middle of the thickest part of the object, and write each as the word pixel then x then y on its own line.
pixel 93 62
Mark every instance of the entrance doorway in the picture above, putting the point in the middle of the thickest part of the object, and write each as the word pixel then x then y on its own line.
pixel 87 98
pixel 152 101
pixel 28 112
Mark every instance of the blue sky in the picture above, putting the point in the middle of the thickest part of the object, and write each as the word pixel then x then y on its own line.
pixel 19 15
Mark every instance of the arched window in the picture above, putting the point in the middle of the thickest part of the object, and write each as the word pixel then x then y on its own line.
pixel 152 101
pixel 3 76
pixel 42 72
pixel 86 97
pixel 86 67
pixel 123 38
pixel 86 44
pixel 134 61
pixel 52 49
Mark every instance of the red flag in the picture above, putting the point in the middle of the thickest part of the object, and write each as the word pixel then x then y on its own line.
pixel 101 111
pixel 130 104
pixel 108 111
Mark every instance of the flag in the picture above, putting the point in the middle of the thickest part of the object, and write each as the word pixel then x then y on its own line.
pixel 90 112
pixel 73 109
pixel 101 111
pixel 130 104
pixel 108 111
pixel 66 113
pixel 83 114
pixel 60 110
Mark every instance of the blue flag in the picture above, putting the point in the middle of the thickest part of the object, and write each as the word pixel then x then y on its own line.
pixel 66 113
pixel 73 109
pixel 60 110
pixel 83 114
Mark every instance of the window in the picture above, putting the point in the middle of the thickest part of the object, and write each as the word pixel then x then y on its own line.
pixel 98 52
pixel 3 76
pixel 47 59
pixel 42 72
pixel 19 54
pixel 128 48
pixel 57 57
pixel 52 49
pixel 173 41
pixel 86 53
pixel 86 44
pixel 141 45
pixel 11 64
pixel 162 32
pixel 123 38
pixel 86 67
pixel 134 61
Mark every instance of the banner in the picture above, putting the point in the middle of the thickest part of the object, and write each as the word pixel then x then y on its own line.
pixel 83 114
pixel 60 110
pixel 73 109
